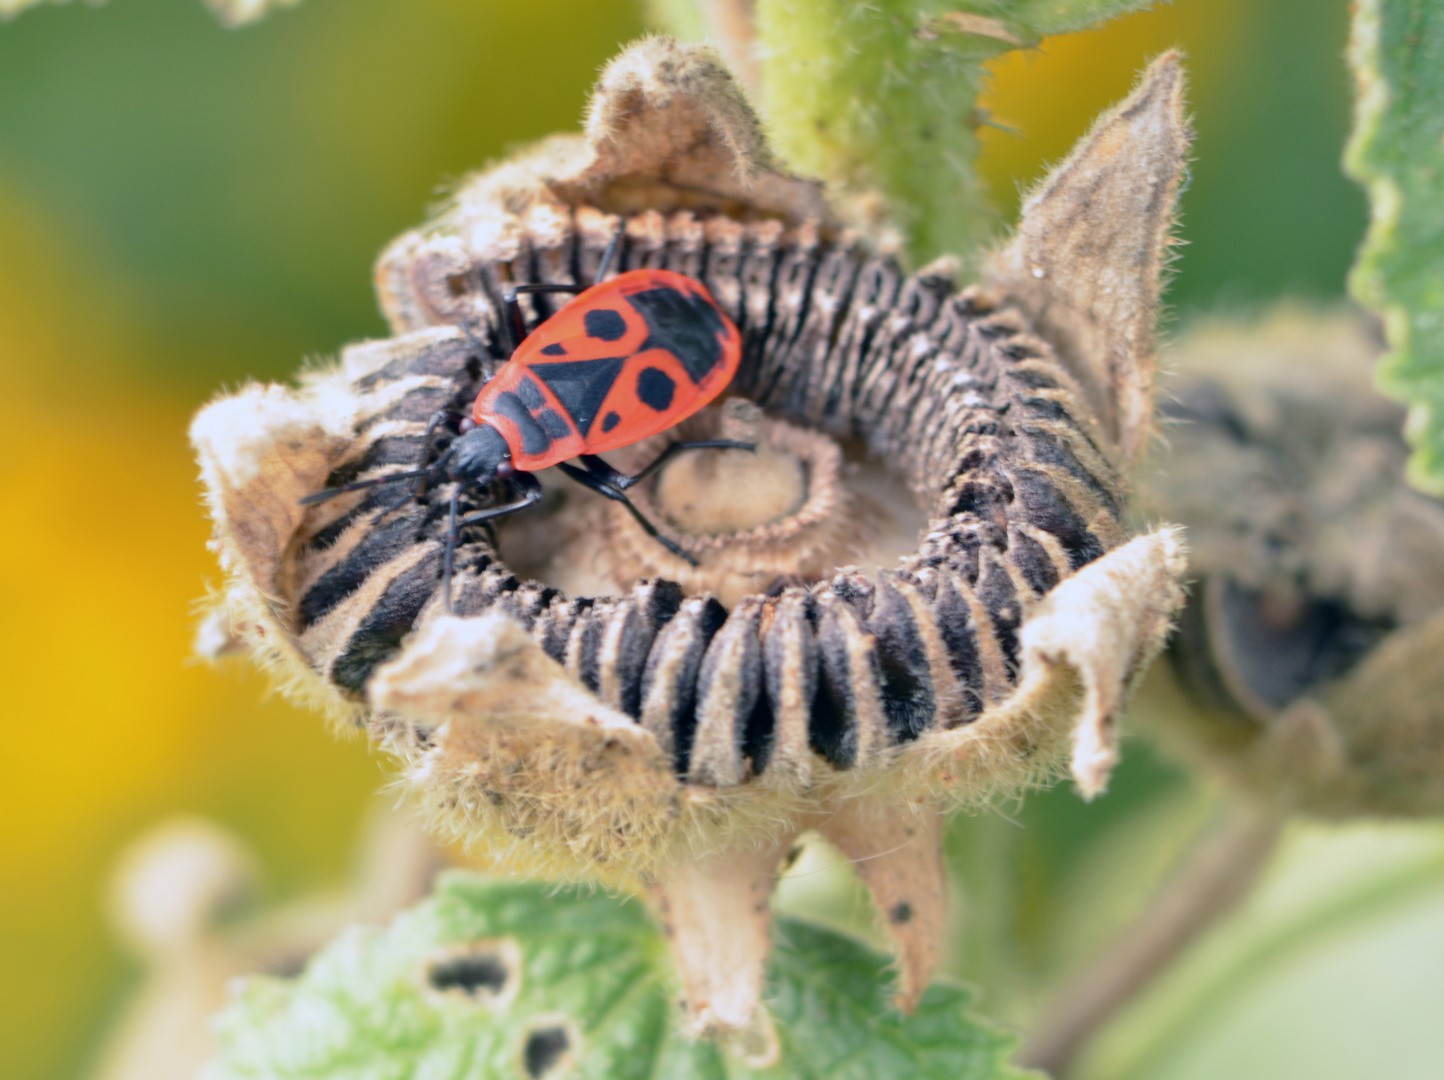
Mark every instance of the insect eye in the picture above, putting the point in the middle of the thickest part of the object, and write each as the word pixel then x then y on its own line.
pixel 467 423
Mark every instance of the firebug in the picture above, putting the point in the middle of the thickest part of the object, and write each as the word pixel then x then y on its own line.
pixel 624 360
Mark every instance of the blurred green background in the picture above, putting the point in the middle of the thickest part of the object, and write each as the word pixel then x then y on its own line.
pixel 184 207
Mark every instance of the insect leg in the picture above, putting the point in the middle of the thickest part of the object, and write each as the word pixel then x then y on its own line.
pixel 515 323
pixel 531 494
pixel 602 487
pixel 531 490
pixel 610 253
pixel 604 472
pixel 439 417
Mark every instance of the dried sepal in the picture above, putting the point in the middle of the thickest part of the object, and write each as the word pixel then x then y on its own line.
pixel 715 912
pixel 1128 599
pixel 715 909
pixel 897 850
pixel 661 108
pixel 260 452
pixel 667 130
pixel 1087 260
pixel 509 747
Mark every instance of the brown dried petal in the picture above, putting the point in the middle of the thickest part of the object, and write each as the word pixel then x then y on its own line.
pixel 667 130
pixel 715 912
pixel 516 746
pixel 897 851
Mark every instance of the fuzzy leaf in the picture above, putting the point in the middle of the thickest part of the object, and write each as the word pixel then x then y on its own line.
pixel 1397 152
pixel 881 96
pixel 576 978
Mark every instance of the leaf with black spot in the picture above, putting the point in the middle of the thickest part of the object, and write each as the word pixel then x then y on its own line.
pixel 490 980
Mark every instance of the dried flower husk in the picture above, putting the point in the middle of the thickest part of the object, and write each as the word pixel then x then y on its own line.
pixel 655 735
pixel 1311 653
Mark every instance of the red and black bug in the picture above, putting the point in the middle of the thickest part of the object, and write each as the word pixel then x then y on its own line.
pixel 623 361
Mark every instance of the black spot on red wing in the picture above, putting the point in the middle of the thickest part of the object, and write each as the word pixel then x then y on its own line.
pixel 533 439
pixel 687 326
pixel 556 348
pixel 553 424
pixel 655 389
pixel 610 421
pixel 581 386
pixel 605 324
pixel 530 394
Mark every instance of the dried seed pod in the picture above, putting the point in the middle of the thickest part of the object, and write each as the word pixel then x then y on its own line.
pixel 1310 653
pixel 1020 489
pixel 666 717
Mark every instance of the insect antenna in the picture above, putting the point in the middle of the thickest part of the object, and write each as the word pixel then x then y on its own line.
pixel 361 485
pixel 450 557
pixel 436 467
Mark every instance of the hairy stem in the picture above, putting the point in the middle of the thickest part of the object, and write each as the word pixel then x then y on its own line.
pixel 1217 875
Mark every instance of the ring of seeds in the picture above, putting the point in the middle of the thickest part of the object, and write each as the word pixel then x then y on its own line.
pixel 953 394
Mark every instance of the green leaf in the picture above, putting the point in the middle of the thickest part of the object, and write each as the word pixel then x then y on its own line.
pixel 881 96
pixel 491 980
pixel 1397 152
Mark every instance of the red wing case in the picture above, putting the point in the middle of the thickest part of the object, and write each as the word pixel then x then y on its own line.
pixel 625 360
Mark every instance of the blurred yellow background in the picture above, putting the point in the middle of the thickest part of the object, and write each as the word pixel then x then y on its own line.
pixel 183 207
